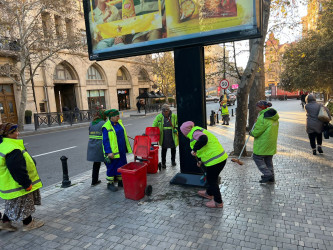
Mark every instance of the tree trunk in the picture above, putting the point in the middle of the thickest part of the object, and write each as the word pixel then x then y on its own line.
pixel 257 92
pixel 246 83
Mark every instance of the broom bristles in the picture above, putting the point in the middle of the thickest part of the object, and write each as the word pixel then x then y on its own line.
pixel 237 161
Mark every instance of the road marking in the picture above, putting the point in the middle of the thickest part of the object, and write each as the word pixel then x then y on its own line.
pixel 54 151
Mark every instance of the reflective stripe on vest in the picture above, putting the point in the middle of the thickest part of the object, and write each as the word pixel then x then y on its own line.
pixel 212 153
pixel 114 142
pixel 167 127
pixel 19 188
pixel 9 188
pixel 214 158
pixel 97 137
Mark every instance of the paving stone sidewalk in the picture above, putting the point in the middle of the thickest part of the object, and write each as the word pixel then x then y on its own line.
pixel 294 213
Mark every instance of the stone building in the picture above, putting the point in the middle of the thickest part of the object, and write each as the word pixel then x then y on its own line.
pixel 70 80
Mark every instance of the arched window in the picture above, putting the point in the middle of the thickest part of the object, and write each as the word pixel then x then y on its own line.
pixel 93 74
pixel 62 73
pixel 143 76
pixel 121 75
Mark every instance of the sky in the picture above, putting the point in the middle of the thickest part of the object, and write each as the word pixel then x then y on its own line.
pixel 286 36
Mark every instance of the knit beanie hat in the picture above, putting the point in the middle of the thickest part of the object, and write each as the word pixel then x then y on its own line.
pixel 6 129
pixel 186 127
pixel 165 107
pixel 100 114
pixel 263 104
pixel 111 113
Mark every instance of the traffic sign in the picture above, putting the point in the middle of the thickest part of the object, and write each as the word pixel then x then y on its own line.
pixel 224 84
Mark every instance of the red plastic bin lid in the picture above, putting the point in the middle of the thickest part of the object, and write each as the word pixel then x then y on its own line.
pixel 153 133
pixel 141 146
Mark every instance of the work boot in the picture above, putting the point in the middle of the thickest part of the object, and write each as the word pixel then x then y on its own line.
pixel 33 225
pixel 112 187
pixel 213 204
pixel 7 226
pixel 314 152
pixel 95 183
pixel 267 179
pixel 174 164
pixel 163 165
pixel 120 183
pixel 320 150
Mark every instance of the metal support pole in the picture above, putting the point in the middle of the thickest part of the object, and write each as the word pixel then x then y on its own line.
pixel 232 112
pixel 217 117
pixel 65 179
pixel 212 118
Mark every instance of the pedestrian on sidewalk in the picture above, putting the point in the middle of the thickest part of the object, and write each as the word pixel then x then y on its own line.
pixel 95 144
pixel 19 181
pixel 115 147
pixel 138 105
pixel 265 133
pixel 167 122
pixel 314 127
pixel 210 153
pixel 224 112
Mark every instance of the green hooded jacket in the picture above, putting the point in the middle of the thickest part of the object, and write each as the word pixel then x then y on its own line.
pixel 265 132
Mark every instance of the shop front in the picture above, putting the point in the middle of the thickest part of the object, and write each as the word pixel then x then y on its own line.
pixel 123 99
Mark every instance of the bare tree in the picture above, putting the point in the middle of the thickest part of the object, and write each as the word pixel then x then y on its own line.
pixel 26 27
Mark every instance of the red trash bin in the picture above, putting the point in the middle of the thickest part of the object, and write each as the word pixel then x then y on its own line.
pixel 154 135
pixel 134 174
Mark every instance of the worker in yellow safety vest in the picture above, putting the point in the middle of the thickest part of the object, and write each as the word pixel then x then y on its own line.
pixel 167 122
pixel 19 181
pixel 115 147
pixel 211 155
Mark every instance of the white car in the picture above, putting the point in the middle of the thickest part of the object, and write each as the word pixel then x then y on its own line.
pixel 210 98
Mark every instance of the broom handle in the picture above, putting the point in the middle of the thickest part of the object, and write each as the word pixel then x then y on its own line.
pixel 246 142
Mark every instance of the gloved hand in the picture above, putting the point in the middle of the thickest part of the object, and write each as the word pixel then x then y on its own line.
pixel 107 160
pixel 29 188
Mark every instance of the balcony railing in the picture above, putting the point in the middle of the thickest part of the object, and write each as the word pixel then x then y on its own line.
pixel 63 118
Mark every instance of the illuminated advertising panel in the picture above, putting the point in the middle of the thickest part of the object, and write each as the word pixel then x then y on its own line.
pixel 121 28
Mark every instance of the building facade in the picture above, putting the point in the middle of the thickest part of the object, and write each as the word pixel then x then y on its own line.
pixel 70 80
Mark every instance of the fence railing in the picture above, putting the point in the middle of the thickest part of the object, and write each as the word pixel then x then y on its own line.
pixel 66 117
pixel 152 107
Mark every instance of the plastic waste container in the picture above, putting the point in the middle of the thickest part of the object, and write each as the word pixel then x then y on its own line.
pixel 154 135
pixel 134 176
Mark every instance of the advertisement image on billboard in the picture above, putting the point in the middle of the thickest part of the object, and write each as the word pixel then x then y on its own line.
pixel 120 28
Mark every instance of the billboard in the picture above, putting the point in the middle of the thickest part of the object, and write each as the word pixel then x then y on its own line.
pixel 121 28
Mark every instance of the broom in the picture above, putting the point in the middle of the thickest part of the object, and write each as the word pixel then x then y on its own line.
pixel 238 161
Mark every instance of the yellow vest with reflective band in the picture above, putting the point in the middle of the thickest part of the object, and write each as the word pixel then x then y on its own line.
pixel 9 188
pixel 210 154
pixel 224 111
pixel 113 139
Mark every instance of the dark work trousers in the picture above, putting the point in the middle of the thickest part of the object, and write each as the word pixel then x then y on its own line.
pixel 213 173
pixel 173 155
pixel 95 172
pixel 313 137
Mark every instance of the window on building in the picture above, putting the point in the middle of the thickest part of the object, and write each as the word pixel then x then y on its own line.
pixel 69 28
pixel 96 98
pixel 42 107
pixel 121 75
pixel 62 73
pixel 93 74
pixel 46 20
pixel 143 76
pixel 83 37
pixel 58 28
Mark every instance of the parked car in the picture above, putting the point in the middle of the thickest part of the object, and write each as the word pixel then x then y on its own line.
pixel 210 98
pixel 231 99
